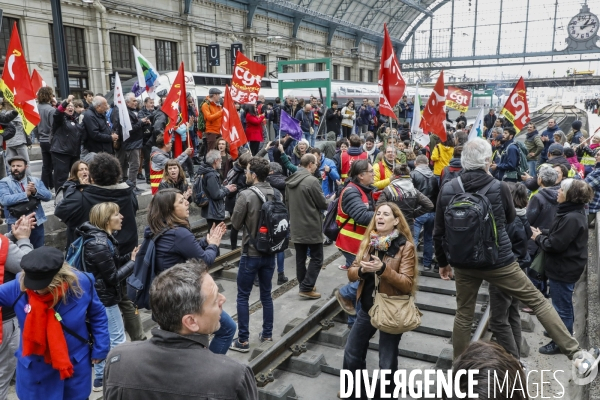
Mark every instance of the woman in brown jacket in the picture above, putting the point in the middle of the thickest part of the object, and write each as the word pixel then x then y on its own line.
pixel 388 251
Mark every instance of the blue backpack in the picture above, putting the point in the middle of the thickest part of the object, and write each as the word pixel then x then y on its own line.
pixel 144 272
pixel 75 253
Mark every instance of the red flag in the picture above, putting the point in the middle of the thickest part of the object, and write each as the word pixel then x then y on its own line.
pixel 232 129
pixel 516 109
pixel 175 106
pixel 37 82
pixel 246 80
pixel 391 82
pixel 434 115
pixel 16 83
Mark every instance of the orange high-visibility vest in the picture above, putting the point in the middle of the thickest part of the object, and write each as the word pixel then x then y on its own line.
pixel 351 234
pixel 155 177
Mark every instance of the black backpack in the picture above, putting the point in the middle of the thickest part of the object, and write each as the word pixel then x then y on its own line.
pixel 273 231
pixel 198 193
pixel 139 282
pixel 471 238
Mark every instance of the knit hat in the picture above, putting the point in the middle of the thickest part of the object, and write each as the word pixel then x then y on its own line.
pixel 556 149
pixel 576 125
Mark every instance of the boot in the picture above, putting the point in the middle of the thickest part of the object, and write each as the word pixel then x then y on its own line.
pixel 281 278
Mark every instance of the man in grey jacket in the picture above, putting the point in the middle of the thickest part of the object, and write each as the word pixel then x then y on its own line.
pixel 19 245
pixel 175 363
pixel 44 131
pixel 305 201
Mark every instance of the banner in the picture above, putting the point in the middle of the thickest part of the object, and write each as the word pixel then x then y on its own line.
pixel 16 83
pixel 232 129
pixel 478 128
pixel 122 107
pixel 247 76
pixel 291 126
pixel 458 99
pixel 434 115
pixel 516 109
pixel 391 82
pixel 175 107
pixel 147 75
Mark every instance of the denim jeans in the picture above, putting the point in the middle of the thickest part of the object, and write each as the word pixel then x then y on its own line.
pixel 224 336
pixel 561 294
pixel 355 353
pixel 280 261
pixel 249 267
pixel 310 138
pixel 425 222
pixel 532 165
pixel 349 290
pixel 116 330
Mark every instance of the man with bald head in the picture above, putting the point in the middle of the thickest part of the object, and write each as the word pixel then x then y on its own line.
pixel 98 136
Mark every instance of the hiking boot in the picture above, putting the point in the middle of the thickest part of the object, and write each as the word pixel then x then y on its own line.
pixel 97 385
pixel 236 345
pixel 550 348
pixel 346 304
pixel 264 339
pixel 310 295
pixel 281 278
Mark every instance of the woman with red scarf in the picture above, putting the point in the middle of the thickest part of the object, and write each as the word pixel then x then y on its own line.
pixel 52 301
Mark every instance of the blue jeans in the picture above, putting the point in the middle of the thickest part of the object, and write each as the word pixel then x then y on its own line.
pixel 280 260
pixel 349 290
pixel 276 129
pixel 310 138
pixel 425 222
pixel 116 331
pixel 561 294
pixel 37 235
pixel 249 267
pixel 224 336
pixel 355 352
pixel 532 165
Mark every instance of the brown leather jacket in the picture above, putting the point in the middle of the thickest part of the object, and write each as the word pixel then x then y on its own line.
pixel 398 277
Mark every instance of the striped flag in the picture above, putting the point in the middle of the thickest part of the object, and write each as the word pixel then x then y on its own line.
pixel 478 128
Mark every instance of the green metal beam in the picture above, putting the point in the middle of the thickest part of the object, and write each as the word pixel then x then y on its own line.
pixel 306 84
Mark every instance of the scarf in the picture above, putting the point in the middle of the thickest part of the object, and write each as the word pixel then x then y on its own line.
pixel 382 243
pixel 43 334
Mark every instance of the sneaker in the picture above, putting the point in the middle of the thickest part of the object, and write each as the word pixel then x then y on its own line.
pixel 550 348
pixel 264 339
pixel 346 304
pixel 236 345
pixel 310 295
pixel 327 242
pixel 97 385
pixel 140 177
pixel 343 267
pixel 426 267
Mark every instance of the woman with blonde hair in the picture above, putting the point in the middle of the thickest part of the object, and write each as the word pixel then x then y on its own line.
pixel 174 177
pixel 101 258
pixel 53 301
pixel 387 251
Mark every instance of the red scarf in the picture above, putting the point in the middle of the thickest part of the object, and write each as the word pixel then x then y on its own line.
pixel 43 335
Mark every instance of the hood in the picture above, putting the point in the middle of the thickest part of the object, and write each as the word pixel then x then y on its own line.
pixel 237 167
pixel 573 160
pixel 475 179
pixel 455 162
pixel 531 135
pixel 355 151
pixel 155 150
pixel 405 184
pixel 549 194
pixel 560 160
pixel 118 186
pixel 86 230
pixel 521 211
pixel 552 130
pixel 297 177
pixel 330 136
pixel 426 171
pixel 204 168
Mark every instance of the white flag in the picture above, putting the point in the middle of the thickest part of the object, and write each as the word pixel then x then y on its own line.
pixel 123 112
pixel 416 119
pixel 478 129
pixel 147 75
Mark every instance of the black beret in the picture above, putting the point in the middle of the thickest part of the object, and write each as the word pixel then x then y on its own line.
pixel 40 266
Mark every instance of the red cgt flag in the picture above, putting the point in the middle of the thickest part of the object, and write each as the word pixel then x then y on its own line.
pixel 246 79
pixel 434 115
pixel 37 82
pixel 516 109
pixel 16 83
pixel 175 106
pixel 231 128
pixel 391 82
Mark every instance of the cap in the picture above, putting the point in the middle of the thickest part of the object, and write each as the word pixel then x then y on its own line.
pixel 17 157
pixel 556 149
pixel 41 266
pixel 214 91
pixel 576 125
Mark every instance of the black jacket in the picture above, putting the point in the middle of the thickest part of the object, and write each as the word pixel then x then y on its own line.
pixel 78 200
pixel 66 137
pixel 502 205
pixel 566 243
pixel 182 185
pixel 215 192
pixel 411 202
pixel 541 212
pixel 426 183
pixel 489 120
pixel 239 180
pixel 109 268
pixel 167 367
pixel 277 181
pixel 519 233
pixel 461 119
pixel 136 135
pixel 97 137
pixel 147 132
pixel 532 184
pixel 353 205
pixel 334 120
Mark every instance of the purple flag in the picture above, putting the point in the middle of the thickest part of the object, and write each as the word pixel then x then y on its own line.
pixel 137 90
pixel 290 126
